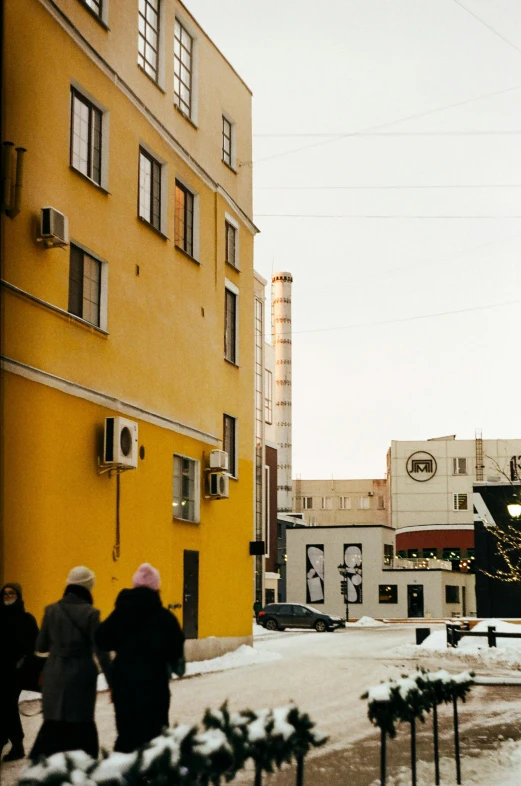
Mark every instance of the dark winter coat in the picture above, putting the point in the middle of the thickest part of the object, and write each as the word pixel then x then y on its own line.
pixel 18 631
pixel 70 673
pixel 147 640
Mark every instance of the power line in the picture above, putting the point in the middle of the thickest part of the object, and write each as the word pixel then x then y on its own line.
pixel 499 35
pixel 383 188
pixel 410 319
pixel 391 133
pixel 329 215
pixel 384 125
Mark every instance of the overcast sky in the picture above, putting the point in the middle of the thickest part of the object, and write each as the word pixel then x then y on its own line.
pixel 398 122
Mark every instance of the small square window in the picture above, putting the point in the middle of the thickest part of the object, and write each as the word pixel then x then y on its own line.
pixel 326 503
pixel 86 137
pixel 460 502
pixel 307 503
pixel 345 503
pixel 149 189
pixel 429 553
pixel 451 594
pixel 185 502
pixel 230 442
pixel 85 282
pixel 184 218
pixel 413 553
pixel 364 503
pixel 459 466
pixel 183 68
pixel 231 246
pixel 388 593
pixel 148 37
pixel 452 553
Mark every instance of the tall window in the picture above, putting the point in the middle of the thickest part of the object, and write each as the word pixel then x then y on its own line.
pixel 460 502
pixel 268 397
pixel 148 37
pixel 149 189
pixel 230 326
pixel 345 503
pixel 229 442
pixel 85 154
pixel 184 218
pixel 381 502
pixel 185 503
pixel 183 68
pixel 230 236
pixel 84 286
pixel 227 141
pixel 388 555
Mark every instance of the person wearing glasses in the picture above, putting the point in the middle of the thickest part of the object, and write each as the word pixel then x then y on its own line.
pixel 18 632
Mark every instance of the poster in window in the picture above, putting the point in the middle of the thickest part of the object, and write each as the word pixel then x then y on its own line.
pixel 315 574
pixel 353 563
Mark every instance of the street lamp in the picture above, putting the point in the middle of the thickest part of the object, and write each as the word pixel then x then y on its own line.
pixel 514 509
pixel 342 569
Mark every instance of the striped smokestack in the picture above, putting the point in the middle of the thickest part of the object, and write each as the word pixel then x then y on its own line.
pixel 281 338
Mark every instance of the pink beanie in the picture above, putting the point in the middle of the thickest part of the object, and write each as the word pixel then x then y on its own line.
pixel 146 576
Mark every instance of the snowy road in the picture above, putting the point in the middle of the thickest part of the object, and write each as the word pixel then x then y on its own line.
pixel 324 674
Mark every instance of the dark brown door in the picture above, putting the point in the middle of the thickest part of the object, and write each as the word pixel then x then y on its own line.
pixel 415 600
pixel 191 594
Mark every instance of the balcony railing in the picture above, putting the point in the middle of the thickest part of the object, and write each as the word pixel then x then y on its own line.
pixel 418 563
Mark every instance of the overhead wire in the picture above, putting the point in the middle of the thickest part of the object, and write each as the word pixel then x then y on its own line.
pixel 383 188
pixel 376 216
pixel 482 21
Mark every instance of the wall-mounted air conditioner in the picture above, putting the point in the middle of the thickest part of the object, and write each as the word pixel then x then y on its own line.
pixel 218 459
pixel 120 446
pixel 218 485
pixel 370 493
pixel 54 227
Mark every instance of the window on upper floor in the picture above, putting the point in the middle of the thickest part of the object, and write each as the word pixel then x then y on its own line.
pixel 183 69
pixel 429 553
pixel 307 503
pixel 388 554
pixel 148 37
pixel 184 218
pixel 228 142
pixel 149 189
pixel 230 233
pixel 230 442
pixel 381 502
pixel 185 501
pixel 459 466
pixel 344 503
pixel 94 5
pixel 268 397
pixel 364 503
pixel 460 502
pixel 326 503
pixel 86 137
pixel 230 322
pixel 87 286
pixel 451 594
pixel 452 553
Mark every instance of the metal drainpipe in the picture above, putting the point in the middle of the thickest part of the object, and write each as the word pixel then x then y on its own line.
pixel 13 211
pixel 6 175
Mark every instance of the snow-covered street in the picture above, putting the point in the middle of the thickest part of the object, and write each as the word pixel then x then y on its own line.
pixel 325 675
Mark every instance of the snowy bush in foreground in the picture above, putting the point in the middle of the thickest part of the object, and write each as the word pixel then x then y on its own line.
pixel 187 755
pixel 411 698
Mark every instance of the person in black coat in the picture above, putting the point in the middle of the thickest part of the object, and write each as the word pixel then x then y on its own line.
pixel 18 631
pixel 148 641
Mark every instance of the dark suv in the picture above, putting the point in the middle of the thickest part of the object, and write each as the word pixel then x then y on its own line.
pixel 278 616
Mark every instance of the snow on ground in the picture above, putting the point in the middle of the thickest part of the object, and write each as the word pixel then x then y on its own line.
pixel 365 622
pixel 472 649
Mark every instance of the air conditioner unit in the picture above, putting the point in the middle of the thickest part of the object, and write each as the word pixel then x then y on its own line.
pixel 54 227
pixel 120 446
pixel 218 459
pixel 370 493
pixel 219 485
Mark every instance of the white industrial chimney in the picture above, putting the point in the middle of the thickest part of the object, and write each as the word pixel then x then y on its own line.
pixel 281 338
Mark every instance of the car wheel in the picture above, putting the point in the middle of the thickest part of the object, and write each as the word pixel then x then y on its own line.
pixel 271 625
pixel 320 626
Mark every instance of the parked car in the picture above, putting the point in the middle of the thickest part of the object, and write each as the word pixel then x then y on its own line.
pixel 278 616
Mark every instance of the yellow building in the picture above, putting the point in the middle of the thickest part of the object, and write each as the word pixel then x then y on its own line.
pixel 127 292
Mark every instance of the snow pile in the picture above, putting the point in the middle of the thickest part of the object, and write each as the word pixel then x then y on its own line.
pixel 365 622
pixel 243 656
pixel 472 648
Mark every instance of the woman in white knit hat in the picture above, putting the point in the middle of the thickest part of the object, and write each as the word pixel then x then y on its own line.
pixel 71 672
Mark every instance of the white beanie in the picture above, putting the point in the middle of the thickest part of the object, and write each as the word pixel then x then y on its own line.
pixel 82 577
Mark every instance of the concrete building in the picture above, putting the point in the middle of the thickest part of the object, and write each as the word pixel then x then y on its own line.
pixel 128 294
pixel 342 502
pixel 430 484
pixel 379 585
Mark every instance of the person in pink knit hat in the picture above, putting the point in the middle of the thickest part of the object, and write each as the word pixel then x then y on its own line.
pixel 148 642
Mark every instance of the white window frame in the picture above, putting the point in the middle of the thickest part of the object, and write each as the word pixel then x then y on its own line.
pixel 104 15
pixel 163 196
pixel 459 466
pixel 195 229
pixel 235 290
pixel 105 135
pixel 457 498
pixel 232 163
pixel 232 470
pixel 194 91
pixel 307 503
pixel 197 488
pixel 228 219
pixel 104 280
pixel 268 396
pixel 344 503
pixel 364 503
pixel 326 503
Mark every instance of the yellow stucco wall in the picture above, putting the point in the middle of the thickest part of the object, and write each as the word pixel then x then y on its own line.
pixel 162 351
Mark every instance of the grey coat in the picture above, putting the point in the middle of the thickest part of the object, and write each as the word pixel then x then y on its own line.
pixel 70 673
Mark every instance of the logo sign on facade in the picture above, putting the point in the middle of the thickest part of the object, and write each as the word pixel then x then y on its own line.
pixel 421 466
